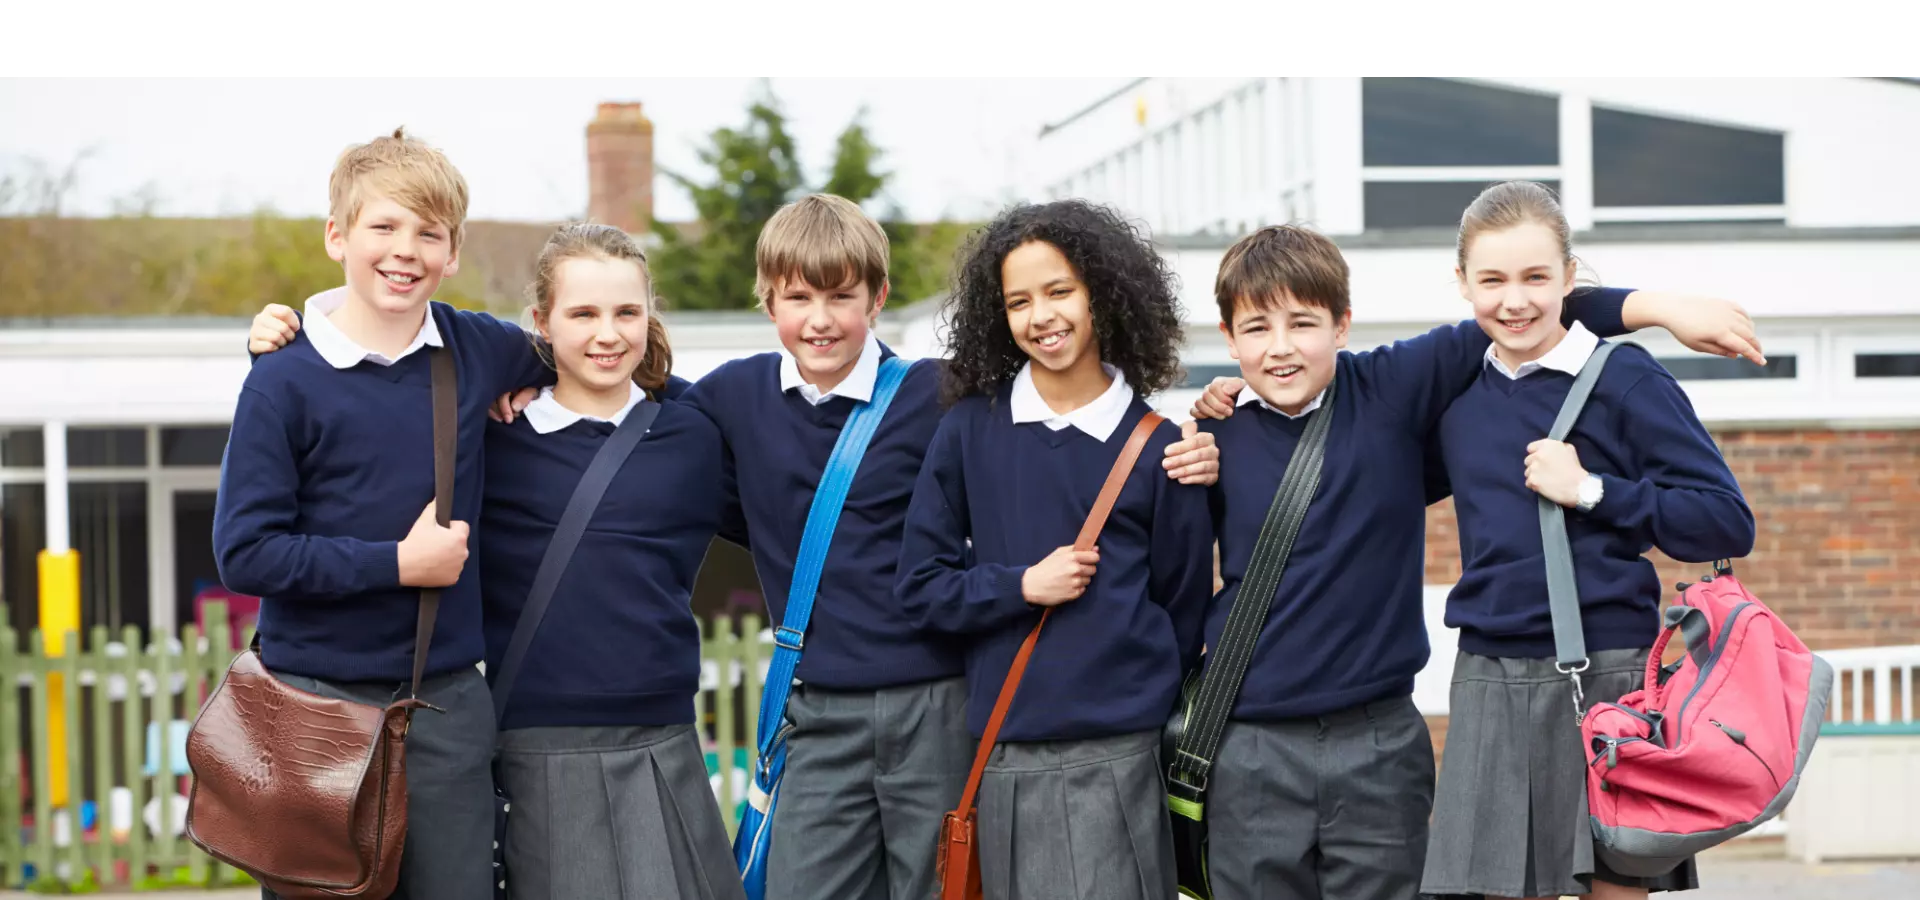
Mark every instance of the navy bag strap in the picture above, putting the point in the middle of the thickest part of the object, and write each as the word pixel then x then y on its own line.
pixel 566 536
pixel 822 517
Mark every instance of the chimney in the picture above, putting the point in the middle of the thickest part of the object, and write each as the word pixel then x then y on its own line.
pixel 620 168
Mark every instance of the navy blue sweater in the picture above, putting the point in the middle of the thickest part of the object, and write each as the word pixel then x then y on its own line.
pixel 1109 662
pixel 619 644
pixel 325 472
pixel 1346 625
pixel 1666 486
pixel 778 445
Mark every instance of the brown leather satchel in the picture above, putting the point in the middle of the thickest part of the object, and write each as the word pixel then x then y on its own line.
pixel 958 861
pixel 308 794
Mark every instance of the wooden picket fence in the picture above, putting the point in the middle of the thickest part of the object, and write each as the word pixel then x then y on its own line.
pixel 128 702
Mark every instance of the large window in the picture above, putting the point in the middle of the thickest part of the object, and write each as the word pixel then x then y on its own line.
pixel 1655 161
pixel 1422 204
pixel 1886 365
pixel 1439 122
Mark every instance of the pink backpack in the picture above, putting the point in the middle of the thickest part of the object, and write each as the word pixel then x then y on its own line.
pixel 1714 744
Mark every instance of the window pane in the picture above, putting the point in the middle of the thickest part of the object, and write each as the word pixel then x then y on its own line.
pixel 1200 375
pixel 23 448
pixel 1436 122
pixel 1422 204
pixel 109 522
pixel 23 534
pixel 199 446
pixel 1714 368
pixel 93 448
pixel 1886 365
pixel 1641 160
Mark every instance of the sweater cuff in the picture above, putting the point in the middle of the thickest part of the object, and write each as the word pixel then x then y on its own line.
pixel 1619 500
pixel 1011 597
pixel 377 566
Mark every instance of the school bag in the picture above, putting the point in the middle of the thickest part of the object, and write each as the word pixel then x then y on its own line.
pixel 957 860
pixel 553 564
pixel 1713 745
pixel 1192 737
pixel 751 843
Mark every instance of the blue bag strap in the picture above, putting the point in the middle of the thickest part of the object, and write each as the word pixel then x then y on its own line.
pixel 566 536
pixel 822 517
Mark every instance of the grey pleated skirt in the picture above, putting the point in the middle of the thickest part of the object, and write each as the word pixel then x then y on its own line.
pixel 1510 810
pixel 620 813
pixel 1076 820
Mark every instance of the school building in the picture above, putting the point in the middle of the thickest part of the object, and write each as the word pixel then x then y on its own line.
pixel 1795 197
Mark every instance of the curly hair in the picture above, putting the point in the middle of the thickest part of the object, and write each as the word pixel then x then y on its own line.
pixel 1136 310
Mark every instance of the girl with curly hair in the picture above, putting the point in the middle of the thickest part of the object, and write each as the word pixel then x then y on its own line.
pixel 1063 318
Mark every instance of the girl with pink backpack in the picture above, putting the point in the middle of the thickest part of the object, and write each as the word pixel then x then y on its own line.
pixel 1635 471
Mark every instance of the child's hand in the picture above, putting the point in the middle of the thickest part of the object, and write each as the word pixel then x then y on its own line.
pixel 1216 402
pixel 1061 577
pixel 272 329
pixel 432 556
pixel 1554 472
pixel 509 405
pixel 1703 324
pixel 1195 459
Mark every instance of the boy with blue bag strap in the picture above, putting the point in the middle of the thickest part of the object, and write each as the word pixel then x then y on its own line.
pixel 754 838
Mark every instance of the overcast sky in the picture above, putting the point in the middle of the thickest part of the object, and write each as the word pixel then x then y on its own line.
pixel 228 146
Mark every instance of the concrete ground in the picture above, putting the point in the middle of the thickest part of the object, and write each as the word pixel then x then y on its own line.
pixel 1738 875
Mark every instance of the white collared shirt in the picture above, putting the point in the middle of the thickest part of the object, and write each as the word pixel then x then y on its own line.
pixel 1247 396
pixel 858 384
pixel 342 352
pixel 1097 419
pixel 546 415
pixel 1567 356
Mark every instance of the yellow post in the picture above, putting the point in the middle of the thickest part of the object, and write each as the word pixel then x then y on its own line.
pixel 59 615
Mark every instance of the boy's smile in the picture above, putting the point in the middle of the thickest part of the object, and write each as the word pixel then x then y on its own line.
pixel 1287 349
pixel 393 259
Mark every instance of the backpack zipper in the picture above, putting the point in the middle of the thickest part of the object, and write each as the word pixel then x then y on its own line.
pixel 1719 644
pixel 1740 737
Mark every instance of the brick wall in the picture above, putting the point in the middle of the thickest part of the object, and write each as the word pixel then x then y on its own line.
pixel 1837 553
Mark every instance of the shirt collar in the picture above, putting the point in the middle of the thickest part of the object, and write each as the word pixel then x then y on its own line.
pixel 1567 356
pixel 1247 396
pixel 342 352
pixel 546 415
pixel 1097 419
pixel 858 384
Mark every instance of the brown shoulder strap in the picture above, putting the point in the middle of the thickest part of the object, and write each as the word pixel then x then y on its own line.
pixel 1089 533
pixel 446 446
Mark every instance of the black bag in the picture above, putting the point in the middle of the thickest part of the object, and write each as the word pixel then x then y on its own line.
pixel 566 536
pixel 1193 734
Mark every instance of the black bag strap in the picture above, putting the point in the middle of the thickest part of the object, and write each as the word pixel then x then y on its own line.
pixel 446 447
pixel 1227 660
pixel 566 536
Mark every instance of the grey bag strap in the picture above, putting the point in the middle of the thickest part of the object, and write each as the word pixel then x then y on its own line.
pixel 586 498
pixel 1563 591
pixel 1227 661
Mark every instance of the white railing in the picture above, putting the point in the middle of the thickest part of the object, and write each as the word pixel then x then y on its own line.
pixel 1880 677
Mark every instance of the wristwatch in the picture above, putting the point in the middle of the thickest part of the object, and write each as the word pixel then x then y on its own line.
pixel 1591 490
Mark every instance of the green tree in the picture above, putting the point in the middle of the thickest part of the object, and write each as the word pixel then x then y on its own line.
pixel 756 170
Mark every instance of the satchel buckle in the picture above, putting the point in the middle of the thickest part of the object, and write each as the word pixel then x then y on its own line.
pixel 1579 696
pixel 790 638
pixel 1197 787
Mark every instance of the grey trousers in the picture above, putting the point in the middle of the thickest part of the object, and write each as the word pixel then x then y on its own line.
pixel 870 777
pixel 1331 806
pixel 449 850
